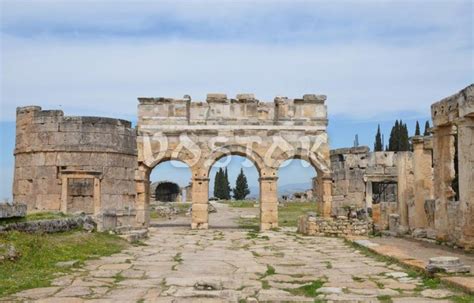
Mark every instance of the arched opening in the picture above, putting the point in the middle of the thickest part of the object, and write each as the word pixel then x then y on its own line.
pixel 166 191
pixel 297 191
pixel 233 199
pixel 170 193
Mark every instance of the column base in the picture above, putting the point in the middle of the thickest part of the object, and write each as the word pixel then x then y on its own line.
pixel 268 226
pixel 199 225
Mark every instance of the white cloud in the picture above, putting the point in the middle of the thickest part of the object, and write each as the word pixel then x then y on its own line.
pixel 105 77
pixel 370 58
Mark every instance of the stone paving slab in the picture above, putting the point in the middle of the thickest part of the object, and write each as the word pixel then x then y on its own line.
pixel 177 264
pixel 404 254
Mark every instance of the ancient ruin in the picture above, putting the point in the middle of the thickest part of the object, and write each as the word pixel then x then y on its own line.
pixel 102 166
pixel 75 164
pixel 200 133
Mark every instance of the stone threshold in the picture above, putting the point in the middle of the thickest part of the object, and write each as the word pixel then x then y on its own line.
pixel 464 282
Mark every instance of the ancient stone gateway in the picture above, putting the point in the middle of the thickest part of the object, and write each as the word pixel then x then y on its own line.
pixel 200 133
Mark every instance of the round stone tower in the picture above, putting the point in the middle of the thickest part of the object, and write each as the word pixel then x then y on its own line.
pixel 75 164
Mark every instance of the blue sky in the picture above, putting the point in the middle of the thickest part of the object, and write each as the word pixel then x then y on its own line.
pixel 375 60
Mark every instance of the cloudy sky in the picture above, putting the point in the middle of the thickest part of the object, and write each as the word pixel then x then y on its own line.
pixel 375 60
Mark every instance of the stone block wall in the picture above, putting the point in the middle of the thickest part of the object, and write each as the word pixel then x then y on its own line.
pixel 453 157
pixel 12 210
pixel 311 225
pixel 55 154
pixel 354 171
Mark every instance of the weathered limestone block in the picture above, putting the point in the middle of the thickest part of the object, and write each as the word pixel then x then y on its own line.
pixel 12 210
pixel 312 225
pixel 53 152
pixel 447 265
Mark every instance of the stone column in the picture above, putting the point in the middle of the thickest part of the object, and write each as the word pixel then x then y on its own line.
pixel 268 203
pixel 142 185
pixel 200 196
pixel 443 157
pixel 466 180
pixel 368 194
pixel 423 180
pixel 405 186
pixel 325 195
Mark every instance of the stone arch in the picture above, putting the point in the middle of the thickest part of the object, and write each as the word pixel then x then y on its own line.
pixel 317 161
pixel 323 178
pixel 236 150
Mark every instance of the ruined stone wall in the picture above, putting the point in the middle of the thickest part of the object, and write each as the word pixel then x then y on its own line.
pixel 348 166
pixel 64 162
pixel 354 171
pixel 311 225
pixel 453 120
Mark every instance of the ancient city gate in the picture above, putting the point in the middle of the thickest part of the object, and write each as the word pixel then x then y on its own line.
pixel 199 134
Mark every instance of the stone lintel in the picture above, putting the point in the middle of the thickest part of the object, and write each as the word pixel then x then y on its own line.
pixel 216 98
pixel 244 98
pixel 350 150
pixel 311 98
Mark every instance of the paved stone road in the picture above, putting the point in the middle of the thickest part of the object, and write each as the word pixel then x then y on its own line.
pixel 227 265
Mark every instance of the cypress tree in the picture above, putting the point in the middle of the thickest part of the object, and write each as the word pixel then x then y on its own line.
pixel 241 189
pixel 216 185
pixel 427 126
pixel 404 141
pixel 226 184
pixel 394 140
pixel 378 140
pixel 417 129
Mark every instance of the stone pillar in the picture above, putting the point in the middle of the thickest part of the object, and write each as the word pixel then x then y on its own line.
pixel 325 195
pixel 200 196
pixel 423 180
pixel 142 184
pixel 268 203
pixel 443 157
pixel 466 180
pixel 368 194
pixel 405 186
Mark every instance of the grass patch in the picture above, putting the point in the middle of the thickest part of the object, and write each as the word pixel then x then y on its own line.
pixel 308 290
pixel 255 235
pixel 36 217
pixel 288 213
pixel 240 203
pixel 265 284
pixel 357 279
pixel 385 299
pixel 328 264
pixel 270 270
pixel 462 298
pixel 178 258
pixel 118 278
pixel 249 223
pixel 40 253
pixel 256 254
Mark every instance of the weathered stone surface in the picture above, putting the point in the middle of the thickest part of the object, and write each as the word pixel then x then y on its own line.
pixel 49 226
pixel 447 264
pixel 12 210
pixel 199 134
pixel 74 164
pixel 315 226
